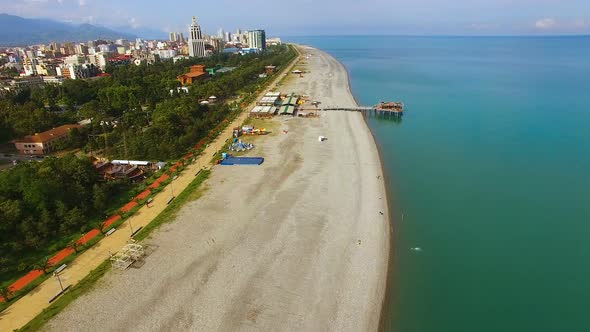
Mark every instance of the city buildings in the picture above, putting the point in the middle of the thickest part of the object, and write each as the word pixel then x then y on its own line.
pixel 218 44
pixel 257 39
pixel 54 62
pixel 166 54
pixel 176 37
pixel 196 44
pixel 73 72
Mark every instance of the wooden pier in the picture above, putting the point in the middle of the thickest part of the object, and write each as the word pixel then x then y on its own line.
pixel 390 108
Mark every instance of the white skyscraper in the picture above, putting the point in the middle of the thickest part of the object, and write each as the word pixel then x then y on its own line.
pixel 196 44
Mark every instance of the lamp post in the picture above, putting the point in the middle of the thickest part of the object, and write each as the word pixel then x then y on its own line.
pixel 56 275
pixel 172 184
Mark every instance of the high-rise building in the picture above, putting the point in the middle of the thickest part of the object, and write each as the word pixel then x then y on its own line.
pixel 81 49
pixel 99 60
pixel 30 66
pixel 173 36
pixel 180 37
pixel 75 60
pixel 196 44
pixel 220 33
pixel 218 44
pixel 257 39
pixel 139 44
pixel 122 42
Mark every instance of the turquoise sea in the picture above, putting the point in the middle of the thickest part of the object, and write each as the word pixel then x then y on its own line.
pixel 488 173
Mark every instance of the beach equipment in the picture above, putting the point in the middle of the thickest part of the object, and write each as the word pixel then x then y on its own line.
pixel 241 146
pixel 232 161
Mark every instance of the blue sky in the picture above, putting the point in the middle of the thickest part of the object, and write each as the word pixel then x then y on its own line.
pixel 317 17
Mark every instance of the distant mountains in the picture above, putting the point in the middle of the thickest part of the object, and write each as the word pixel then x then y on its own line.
pixel 18 31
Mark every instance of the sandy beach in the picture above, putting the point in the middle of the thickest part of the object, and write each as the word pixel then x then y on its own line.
pixel 300 243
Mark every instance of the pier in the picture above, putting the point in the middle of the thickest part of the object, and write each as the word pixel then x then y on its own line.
pixel 389 108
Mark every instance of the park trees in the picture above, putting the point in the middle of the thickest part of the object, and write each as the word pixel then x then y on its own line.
pixel 45 201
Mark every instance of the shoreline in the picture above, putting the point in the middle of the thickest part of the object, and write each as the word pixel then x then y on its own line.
pixel 385 177
pixel 388 195
pixel 301 242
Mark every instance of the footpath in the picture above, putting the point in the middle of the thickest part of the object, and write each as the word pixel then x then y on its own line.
pixel 32 304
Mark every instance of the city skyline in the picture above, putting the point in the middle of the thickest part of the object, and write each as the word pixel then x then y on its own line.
pixel 428 17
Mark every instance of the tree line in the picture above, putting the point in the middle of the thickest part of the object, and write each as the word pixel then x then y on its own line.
pixel 134 116
pixel 41 201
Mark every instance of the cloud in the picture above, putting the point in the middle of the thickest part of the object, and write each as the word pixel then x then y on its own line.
pixel 546 24
pixel 82 3
pixel 562 26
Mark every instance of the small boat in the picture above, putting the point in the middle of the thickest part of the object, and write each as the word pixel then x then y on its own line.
pixel 416 249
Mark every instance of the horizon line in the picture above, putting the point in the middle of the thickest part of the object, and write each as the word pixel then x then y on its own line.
pixel 440 35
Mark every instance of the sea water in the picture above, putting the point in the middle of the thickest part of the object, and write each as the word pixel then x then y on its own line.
pixel 488 174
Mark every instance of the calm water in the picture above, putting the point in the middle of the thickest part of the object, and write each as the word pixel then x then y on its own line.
pixel 490 168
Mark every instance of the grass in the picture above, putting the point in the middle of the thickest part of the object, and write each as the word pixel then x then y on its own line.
pixel 188 194
pixel 272 126
pixel 125 195
pixel 191 193
pixel 72 294
pixel 17 295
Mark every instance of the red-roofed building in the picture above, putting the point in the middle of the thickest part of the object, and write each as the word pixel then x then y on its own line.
pixel 43 143
pixel 197 73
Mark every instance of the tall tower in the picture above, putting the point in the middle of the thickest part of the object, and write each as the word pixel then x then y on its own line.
pixel 196 44
pixel 257 39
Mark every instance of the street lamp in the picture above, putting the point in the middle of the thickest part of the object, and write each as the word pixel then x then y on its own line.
pixel 56 275
pixel 172 184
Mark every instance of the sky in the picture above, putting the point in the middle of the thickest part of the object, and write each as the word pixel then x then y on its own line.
pixel 323 17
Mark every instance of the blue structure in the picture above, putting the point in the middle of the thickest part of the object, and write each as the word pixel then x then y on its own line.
pixel 232 161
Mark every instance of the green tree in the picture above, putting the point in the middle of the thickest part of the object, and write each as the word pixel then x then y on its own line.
pixel 75 245
pixel 100 194
pixel 101 226
pixel 43 265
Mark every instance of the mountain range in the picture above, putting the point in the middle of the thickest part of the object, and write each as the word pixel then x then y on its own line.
pixel 19 31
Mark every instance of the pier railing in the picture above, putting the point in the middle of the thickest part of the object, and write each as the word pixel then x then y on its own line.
pixel 362 109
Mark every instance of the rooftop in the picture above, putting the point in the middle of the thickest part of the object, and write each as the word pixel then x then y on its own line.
pixel 194 74
pixel 47 135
